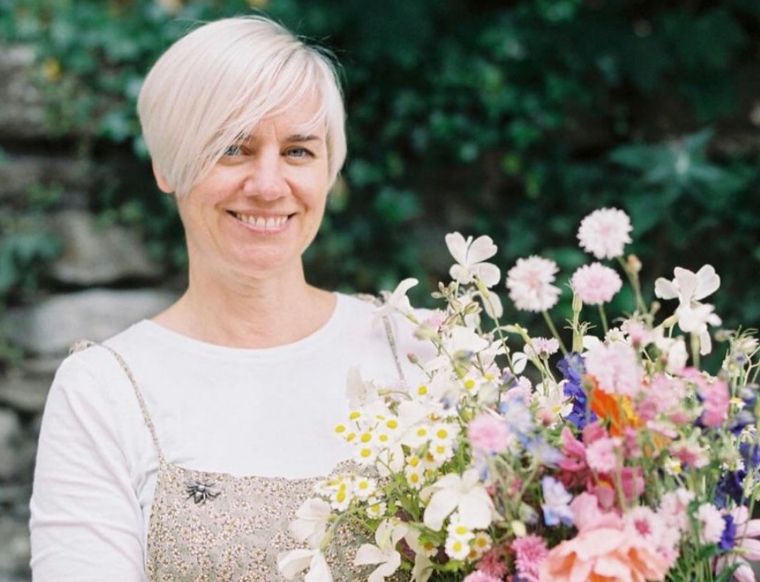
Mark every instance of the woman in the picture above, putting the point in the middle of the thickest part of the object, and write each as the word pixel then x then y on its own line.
pixel 180 448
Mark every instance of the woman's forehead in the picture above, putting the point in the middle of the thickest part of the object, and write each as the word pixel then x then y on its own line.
pixel 301 122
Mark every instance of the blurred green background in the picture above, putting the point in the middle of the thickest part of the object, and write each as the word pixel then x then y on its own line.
pixel 513 119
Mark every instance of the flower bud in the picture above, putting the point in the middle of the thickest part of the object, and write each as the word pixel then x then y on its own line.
pixel 519 528
pixel 633 264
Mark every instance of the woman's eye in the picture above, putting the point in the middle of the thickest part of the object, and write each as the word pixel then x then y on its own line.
pixel 299 153
pixel 233 150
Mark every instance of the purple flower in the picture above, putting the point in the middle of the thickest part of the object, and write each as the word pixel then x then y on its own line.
pixel 573 367
pixel 728 539
pixel 730 487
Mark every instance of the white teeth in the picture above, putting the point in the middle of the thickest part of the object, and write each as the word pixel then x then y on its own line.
pixel 260 222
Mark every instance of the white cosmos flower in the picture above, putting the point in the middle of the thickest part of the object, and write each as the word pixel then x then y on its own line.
pixel 398 301
pixel 469 256
pixel 464 339
pixel 311 520
pixel 689 288
pixel 290 564
pixel 465 493
pixel 358 392
pixel 491 304
pixel 384 553
pixel 553 405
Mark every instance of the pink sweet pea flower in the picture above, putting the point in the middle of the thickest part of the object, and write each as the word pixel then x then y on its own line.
pixel 602 551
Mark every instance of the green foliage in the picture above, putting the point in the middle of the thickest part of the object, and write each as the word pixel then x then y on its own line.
pixel 511 119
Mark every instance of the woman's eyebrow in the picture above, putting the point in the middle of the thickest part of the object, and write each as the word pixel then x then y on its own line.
pixel 301 137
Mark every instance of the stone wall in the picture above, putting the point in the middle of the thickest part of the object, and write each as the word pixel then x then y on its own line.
pixel 103 281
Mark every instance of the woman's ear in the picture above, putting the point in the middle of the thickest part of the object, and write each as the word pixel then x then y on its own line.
pixel 161 181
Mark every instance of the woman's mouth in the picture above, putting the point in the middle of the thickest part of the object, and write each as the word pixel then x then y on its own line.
pixel 258 223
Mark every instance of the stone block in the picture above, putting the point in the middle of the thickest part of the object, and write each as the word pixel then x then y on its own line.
pixel 21 172
pixel 26 395
pixel 15 549
pixel 53 325
pixel 99 256
pixel 22 113
pixel 10 437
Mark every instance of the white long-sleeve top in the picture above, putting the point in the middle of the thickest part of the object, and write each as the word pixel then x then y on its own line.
pixel 267 412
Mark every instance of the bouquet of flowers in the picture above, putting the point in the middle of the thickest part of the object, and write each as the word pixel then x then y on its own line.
pixel 519 458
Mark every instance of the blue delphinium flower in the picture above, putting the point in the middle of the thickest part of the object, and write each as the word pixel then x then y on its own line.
pixel 543 452
pixel 573 367
pixel 556 505
pixel 730 487
pixel 728 539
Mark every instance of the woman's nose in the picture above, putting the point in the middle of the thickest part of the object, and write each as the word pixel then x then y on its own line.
pixel 264 178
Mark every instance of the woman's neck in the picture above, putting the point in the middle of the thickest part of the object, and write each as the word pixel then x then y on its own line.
pixel 249 312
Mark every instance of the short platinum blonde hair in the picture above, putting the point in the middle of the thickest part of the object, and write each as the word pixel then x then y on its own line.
pixel 217 83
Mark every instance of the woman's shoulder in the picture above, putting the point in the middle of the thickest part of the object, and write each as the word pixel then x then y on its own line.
pixel 92 365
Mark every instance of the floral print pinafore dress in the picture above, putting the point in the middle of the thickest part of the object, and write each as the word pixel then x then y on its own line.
pixel 217 527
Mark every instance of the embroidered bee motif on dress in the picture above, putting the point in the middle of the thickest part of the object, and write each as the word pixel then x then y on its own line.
pixel 201 491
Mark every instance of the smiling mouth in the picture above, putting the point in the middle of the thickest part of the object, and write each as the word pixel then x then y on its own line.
pixel 261 222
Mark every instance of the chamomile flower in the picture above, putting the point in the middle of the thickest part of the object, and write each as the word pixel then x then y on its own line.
pixel 364 487
pixel 376 507
pixel 480 544
pixel 457 548
pixel 422 391
pixel 673 466
pixel 415 476
pixel 428 548
pixel 456 529
pixel 417 435
pixel 431 463
pixel 343 495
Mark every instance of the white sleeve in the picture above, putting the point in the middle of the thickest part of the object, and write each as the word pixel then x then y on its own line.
pixel 86 520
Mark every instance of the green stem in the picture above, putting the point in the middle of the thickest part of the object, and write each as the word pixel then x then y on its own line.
pixel 603 315
pixel 633 278
pixel 695 350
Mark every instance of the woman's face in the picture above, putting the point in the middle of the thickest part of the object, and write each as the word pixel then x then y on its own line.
pixel 260 207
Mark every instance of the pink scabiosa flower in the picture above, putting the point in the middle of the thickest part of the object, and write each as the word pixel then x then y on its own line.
pixel 530 284
pixel 615 368
pixel 673 508
pixel 488 434
pixel 710 523
pixel 604 233
pixel 492 563
pixel 478 576
pixel 541 347
pixel 530 551
pixel 644 522
pixel 595 284
pixel 602 455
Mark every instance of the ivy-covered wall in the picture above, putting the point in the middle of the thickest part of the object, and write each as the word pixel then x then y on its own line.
pixel 513 119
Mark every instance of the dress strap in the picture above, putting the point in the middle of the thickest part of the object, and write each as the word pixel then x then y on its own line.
pixel 84 344
pixel 378 302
